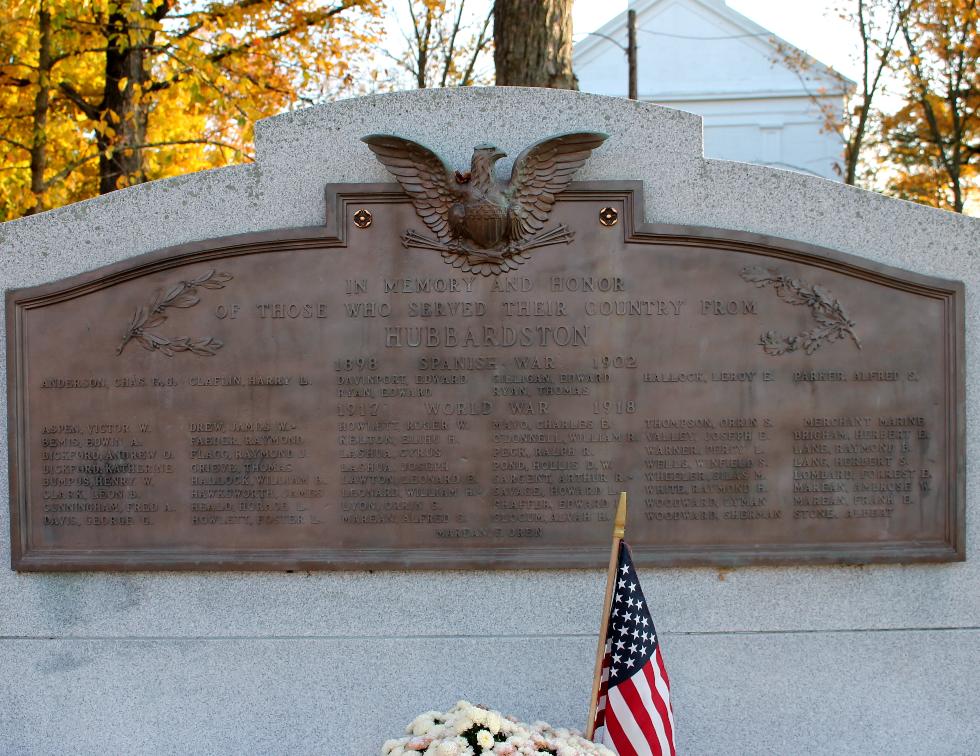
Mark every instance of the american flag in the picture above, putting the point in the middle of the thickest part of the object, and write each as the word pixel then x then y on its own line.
pixel 633 714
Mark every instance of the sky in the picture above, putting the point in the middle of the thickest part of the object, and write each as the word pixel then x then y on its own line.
pixel 811 25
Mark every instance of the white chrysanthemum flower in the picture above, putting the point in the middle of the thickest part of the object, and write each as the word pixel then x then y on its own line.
pixel 448 748
pixel 437 734
pixel 484 739
pixel 493 721
pixel 422 724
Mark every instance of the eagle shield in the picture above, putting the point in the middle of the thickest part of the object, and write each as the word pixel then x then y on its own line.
pixel 486 223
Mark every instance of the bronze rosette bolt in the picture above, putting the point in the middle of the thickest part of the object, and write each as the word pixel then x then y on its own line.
pixel 363 218
pixel 609 216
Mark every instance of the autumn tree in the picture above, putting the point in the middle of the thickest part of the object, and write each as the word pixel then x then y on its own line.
pixel 876 26
pixel 533 43
pixel 44 159
pixel 933 142
pixel 101 94
pixel 877 23
pixel 445 43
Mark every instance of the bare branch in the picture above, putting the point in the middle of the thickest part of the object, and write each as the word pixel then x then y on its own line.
pixel 65 172
pixel 15 143
pixel 311 19
pixel 451 44
pixel 203 141
pixel 90 110
pixel 482 42
pixel 6 80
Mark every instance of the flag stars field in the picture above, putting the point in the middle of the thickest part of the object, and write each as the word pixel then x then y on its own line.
pixel 634 714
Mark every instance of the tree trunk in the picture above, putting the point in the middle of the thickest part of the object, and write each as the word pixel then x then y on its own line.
pixel 957 186
pixel 42 104
pixel 533 43
pixel 120 150
pixel 852 151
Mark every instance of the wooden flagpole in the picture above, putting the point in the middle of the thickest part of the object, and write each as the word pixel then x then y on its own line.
pixel 619 530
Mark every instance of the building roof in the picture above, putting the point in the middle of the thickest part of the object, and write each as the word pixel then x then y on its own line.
pixel 736 56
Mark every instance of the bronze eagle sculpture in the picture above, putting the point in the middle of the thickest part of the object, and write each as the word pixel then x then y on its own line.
pixel 480 224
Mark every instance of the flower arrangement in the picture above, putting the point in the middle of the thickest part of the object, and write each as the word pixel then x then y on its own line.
pixel 468 730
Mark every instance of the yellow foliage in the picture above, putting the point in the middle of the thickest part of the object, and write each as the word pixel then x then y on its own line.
pixel 930 142
pixel 76 115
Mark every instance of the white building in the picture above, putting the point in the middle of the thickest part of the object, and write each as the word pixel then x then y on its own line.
pixel 704 57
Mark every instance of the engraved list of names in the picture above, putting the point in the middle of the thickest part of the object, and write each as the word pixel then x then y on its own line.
pixel 339 401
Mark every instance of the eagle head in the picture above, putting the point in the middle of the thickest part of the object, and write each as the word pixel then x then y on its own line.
pixel 482 166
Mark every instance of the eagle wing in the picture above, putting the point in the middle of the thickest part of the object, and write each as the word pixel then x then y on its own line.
pixel 424 177
pixel 541 172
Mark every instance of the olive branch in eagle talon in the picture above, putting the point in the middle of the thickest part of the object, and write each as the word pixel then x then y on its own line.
pixel 482 225
pixel 833 322
pixel 181 295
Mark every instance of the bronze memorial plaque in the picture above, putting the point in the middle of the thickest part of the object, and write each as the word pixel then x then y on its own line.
pixel 459 373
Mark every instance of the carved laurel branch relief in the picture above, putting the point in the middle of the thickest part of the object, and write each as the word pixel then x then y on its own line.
pixel 833 322
pixel 181 295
